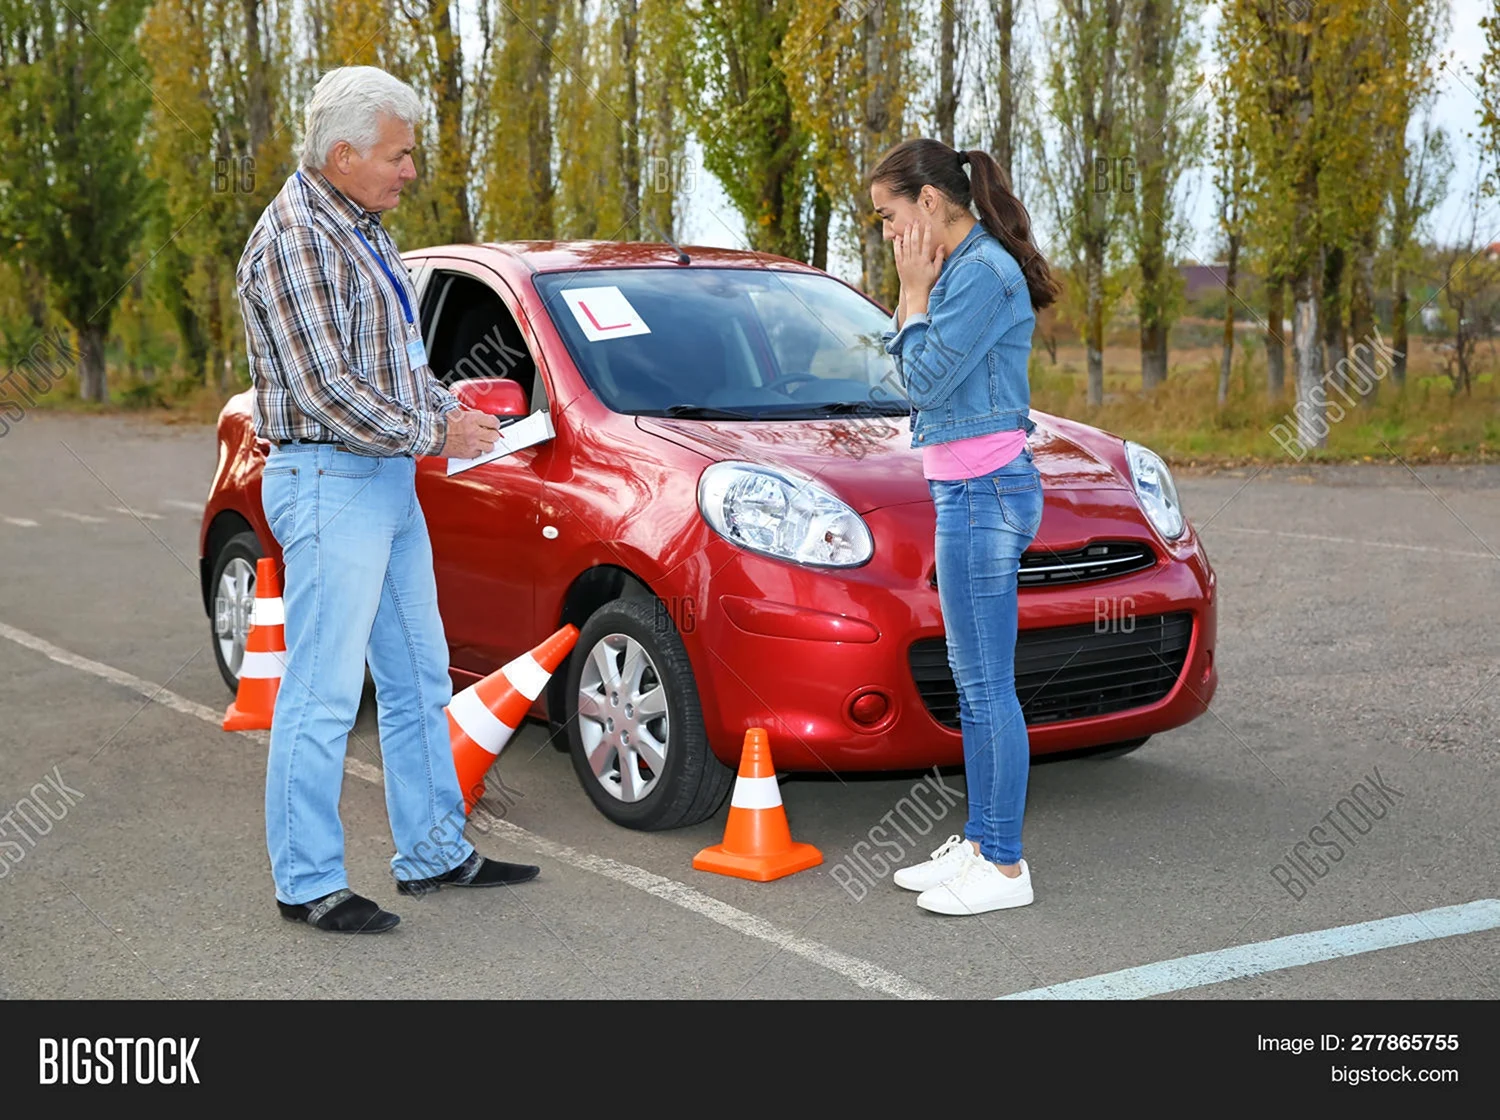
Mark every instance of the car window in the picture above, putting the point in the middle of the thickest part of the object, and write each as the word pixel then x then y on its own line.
pixel 752 342
pixel 471 333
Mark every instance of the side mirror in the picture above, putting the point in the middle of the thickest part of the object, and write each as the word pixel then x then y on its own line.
pixel 499 396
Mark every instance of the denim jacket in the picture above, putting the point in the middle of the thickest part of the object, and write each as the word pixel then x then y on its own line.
pixel 964 363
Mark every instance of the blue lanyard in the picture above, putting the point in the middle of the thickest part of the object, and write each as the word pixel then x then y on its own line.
pixel 389 275
pixel 385 268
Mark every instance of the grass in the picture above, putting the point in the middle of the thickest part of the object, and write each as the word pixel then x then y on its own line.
pixel 165 400
pixel 1181 421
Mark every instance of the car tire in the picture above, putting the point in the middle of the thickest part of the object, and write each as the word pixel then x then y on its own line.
pixel 635 641
pixel 1119 750
pixel 229 622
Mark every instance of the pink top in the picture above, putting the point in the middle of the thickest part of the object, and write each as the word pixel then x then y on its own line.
pixel 972 457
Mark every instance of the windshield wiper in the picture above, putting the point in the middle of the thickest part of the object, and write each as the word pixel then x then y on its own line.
pixel 698 412
pixel 792 411
pixel 852 408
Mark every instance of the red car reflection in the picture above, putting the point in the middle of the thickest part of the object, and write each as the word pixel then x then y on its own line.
pixel 731 513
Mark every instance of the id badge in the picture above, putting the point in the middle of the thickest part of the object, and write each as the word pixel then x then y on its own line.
pixel 416 353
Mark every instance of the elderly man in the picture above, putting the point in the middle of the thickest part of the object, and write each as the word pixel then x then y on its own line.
pixel 345 396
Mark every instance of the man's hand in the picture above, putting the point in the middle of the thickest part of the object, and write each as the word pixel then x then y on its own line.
pixel 471 433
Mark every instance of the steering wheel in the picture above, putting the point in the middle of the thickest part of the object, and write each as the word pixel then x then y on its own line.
pixel 795 379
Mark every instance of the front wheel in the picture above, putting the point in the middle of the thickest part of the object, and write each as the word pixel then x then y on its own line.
pixel 233 600
pixel 635 727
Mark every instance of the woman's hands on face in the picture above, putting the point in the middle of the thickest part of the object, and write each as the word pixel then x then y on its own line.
pixel 919 260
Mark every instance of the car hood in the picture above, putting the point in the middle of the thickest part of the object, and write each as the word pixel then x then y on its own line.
pixel 869 462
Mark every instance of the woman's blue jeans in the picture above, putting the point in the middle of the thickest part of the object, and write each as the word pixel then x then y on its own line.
pixel 983 526
pixel 359 586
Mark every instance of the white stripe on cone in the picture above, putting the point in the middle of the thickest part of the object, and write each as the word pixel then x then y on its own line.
pixel 755 793
pixel 478 722
pixel 526 676
pixel 262 665
pixel 268 612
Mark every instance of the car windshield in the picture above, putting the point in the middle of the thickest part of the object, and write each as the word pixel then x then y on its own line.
pixel 725 343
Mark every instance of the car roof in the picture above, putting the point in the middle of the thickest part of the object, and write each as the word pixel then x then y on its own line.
pixel 559 256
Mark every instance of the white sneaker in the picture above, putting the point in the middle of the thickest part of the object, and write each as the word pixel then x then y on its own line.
pixel 977 889
pixel 945 863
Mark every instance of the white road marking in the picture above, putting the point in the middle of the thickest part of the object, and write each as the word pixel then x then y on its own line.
pixel 86 518
pixel 119 676
pixel 1271 956
pixel 23 522
pixel 135 513
pixel 863 973
pixel 178 503
pixel 1366 544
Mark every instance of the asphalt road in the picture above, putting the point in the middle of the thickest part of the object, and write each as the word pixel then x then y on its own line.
pixel 1359 629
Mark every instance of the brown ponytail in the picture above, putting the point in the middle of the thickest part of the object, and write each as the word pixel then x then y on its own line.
pixel 913 164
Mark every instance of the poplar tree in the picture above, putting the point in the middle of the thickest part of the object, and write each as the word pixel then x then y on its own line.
pixel 851 80
pixel 743 116
pixel 73 191
pixel 1162 84
pixel 1092 176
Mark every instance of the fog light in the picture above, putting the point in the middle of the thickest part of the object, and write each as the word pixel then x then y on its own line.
pixel 869 708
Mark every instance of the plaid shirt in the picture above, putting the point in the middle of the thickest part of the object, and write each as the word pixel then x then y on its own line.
pixel 325 330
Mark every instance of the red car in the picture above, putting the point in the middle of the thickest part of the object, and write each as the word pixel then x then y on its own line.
pixel 732 515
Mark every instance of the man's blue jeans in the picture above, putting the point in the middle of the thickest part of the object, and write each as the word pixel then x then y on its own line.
pixel 358 585
pixel 983 526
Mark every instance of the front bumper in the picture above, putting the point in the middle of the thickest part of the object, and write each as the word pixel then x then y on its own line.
pixel 812 655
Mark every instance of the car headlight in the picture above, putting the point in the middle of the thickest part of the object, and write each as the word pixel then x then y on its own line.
pixel 1156 490
pixel 781 515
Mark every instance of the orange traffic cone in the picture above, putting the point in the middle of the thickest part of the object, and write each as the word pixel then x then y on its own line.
pixel 483 717
pixel 265 656
pixel 757 842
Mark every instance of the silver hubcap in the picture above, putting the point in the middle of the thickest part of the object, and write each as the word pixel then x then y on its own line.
pixel 622 717
pixel 234 599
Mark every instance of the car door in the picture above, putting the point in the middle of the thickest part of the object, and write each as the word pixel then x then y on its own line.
pixel 483 521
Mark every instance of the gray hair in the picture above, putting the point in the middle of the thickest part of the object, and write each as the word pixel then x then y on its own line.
pixel 346 104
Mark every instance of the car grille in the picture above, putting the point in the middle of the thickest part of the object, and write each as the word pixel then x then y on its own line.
pixel 1072 672
pixel 1096 561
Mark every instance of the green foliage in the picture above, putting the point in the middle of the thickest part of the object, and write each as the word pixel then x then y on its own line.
pixel 1489 95
pixel 1167 134
pixel 73 105
pixel 742 113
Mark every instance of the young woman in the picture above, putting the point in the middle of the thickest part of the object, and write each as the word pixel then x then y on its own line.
pixel 971 283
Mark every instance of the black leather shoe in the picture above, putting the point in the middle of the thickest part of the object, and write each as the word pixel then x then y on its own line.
pixel 476 871
pixel 343 911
